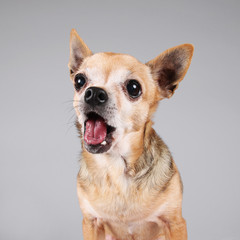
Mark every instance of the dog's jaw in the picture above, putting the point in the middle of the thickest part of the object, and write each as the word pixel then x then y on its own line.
pixel 104 142
pixel 98 134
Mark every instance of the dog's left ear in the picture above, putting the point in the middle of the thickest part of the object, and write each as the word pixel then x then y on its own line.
pixel 78 51
pixel 170 67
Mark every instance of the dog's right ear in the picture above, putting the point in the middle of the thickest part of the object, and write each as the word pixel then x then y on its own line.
pixel 78 51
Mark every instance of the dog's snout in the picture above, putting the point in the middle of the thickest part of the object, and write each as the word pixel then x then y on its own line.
pixel 95 96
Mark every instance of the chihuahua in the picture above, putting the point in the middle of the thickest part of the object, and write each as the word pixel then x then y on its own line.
pixel 128 185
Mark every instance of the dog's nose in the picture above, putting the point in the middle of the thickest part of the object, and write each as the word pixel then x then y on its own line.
pixel 95 96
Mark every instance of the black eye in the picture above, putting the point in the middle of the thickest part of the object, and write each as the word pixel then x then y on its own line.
pixel 80 81
pixel 134 88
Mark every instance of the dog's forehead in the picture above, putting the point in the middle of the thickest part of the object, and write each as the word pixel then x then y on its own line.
pixel 113 67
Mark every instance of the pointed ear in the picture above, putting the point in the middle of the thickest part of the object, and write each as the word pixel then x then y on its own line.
pixel 78 51
pixel 170 67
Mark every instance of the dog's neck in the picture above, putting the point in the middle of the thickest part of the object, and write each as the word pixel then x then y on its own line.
pixel 148 153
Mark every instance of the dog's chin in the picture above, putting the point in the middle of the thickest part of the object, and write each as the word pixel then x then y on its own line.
pixel 104 142
pixel 98 148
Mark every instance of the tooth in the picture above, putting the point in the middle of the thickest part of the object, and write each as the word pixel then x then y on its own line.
pixel 104 143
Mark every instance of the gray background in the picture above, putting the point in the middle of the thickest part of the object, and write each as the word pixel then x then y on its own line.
pixel 39 144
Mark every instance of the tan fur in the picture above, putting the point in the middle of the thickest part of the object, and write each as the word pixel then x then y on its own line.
pixel 134 190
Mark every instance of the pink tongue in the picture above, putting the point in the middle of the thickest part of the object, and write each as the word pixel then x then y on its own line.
pixel 96 131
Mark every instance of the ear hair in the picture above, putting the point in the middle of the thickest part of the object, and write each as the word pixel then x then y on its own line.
pixel 78 51
pixel 170 67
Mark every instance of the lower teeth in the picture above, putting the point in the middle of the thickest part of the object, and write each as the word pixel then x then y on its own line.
pixel 104 143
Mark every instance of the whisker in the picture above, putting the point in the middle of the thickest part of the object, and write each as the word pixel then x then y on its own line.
pixel 69 128
pixel 73 115
pixel 72 108
pixel 71 122
pixel 70 101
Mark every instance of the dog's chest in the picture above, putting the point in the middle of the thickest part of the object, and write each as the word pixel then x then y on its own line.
pixel 117 201
pixel 110 199
pixel 125 217
pixel 114 195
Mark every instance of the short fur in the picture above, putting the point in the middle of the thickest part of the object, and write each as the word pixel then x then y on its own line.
pixel 133 190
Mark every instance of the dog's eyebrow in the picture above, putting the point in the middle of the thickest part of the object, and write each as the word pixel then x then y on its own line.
pixel 129 73
pixel 133 74
pixel 119 75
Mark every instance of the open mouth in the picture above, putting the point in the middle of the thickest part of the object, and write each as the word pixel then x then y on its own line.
pixel 97 133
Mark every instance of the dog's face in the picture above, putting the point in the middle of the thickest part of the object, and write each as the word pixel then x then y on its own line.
pixel 116 95
pixel 113 97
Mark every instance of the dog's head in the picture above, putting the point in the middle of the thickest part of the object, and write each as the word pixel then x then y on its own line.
pixel 116 95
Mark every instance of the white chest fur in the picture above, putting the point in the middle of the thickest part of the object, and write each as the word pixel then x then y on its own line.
pixel 114 196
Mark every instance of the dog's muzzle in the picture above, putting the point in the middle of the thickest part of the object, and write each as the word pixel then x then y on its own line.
pixel 97 133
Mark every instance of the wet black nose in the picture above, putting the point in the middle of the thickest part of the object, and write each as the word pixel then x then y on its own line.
pixel 95 96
